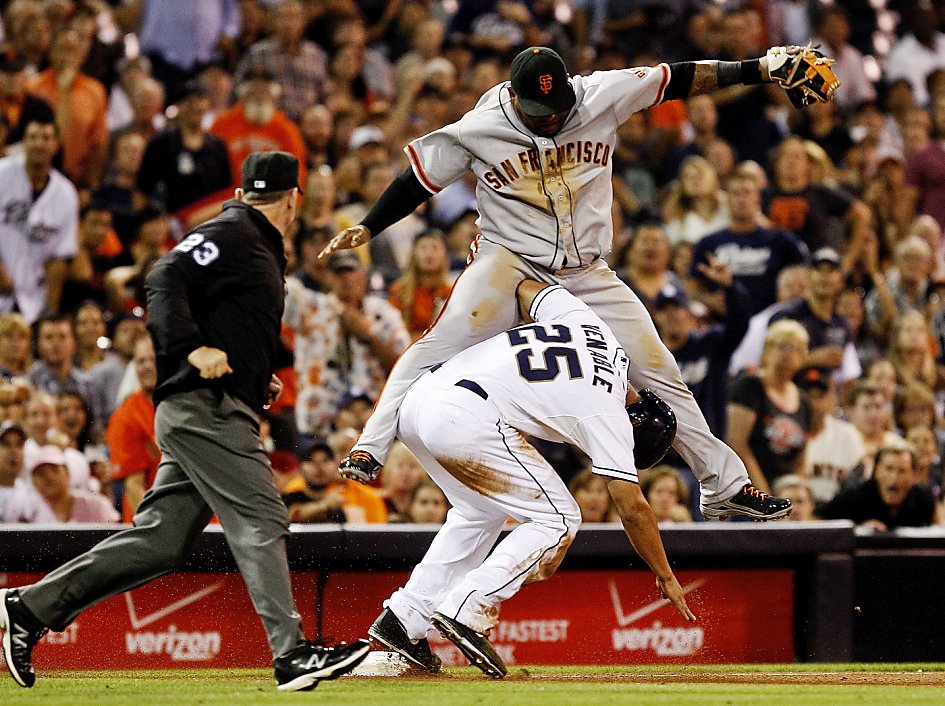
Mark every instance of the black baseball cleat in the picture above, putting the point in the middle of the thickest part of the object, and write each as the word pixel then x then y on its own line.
pixel 749 502
pixel 21 631
pixel 308 664
pixel 360 466
pixel 389 632
pixel 476 646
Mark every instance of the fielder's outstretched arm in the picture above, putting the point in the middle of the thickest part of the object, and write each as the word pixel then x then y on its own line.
pixel 693 78
pixel 399 200
pixel 640 525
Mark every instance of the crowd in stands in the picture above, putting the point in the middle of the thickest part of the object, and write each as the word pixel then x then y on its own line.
pixel 793 261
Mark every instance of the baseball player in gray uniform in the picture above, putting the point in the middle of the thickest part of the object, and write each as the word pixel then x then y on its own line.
pixel 541 148
pixel 563 378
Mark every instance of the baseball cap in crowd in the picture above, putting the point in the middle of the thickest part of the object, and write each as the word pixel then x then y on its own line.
pixel 540 81
pixel 11 427
pixel 11 62
pixel 828 255
pixel 810 378
pixel 366 135
pixel 48 455
pixel 259 72
pixel 671 294
pixel 317 445
pixel 193 88
pixel 344 260
pixel 270 171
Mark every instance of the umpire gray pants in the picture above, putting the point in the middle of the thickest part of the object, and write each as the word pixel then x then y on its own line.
pixel 212 463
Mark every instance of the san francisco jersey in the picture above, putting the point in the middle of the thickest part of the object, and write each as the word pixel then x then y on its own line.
pixel 562 378
pixel 546 198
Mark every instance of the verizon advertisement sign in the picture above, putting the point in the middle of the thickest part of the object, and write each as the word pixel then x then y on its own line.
pixel 577 617
pixel 182 620
pixel 609 617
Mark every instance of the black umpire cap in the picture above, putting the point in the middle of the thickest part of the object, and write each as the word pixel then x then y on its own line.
pixel 540 81
pixel 265 172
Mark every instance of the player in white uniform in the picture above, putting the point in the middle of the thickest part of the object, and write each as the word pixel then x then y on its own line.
pixel 541 148
pixel 562 378
pixel 39 222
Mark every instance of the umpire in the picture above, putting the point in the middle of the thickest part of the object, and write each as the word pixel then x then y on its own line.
pixel 215 306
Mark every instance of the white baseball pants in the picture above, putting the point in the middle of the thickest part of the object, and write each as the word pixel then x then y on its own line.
pixel 489 472
pixel 482 304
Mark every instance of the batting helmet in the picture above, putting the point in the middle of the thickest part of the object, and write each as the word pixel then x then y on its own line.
pixel 654 428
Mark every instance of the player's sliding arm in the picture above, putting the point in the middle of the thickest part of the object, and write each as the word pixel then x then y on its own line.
pixel 399 200
pixel 640 525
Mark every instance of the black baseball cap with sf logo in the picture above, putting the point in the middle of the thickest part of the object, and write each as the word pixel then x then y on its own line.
pixel 540 81
pixel 270 171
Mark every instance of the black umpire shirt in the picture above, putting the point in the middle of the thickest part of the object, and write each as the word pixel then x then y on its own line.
pixel 222 286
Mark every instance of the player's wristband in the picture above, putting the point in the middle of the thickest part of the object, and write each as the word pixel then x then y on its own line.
pixel 731 73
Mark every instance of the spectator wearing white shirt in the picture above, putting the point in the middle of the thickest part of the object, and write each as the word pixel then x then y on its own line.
pixel 39 220
pixel 50 477
pixel 918 53
pixel 835 447
pixel 833 35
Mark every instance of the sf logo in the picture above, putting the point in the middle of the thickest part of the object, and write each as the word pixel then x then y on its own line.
pixel 544 83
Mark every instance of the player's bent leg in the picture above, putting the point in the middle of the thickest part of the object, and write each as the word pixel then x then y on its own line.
pixel 481 304
pixel 510 477
pixel 471 527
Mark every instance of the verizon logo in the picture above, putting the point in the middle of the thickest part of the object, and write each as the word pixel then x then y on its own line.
pixel 180 646
pixel 664 641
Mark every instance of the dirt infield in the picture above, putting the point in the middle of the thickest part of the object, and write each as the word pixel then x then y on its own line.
pixel 693 676
pixel 755 678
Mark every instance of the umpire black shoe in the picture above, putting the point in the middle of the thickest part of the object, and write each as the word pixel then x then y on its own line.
pixel 308 664
pixel 749 502
pixel 360 466
pixel 388 631
pixel 476 646
pixel 21 631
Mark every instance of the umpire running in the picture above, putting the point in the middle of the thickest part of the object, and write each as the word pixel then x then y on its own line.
pixel 215 306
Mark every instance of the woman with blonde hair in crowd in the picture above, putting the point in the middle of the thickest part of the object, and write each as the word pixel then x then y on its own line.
pixel 15 339
pixel 696 205
pixel 399 479
pixel 910 351
pixel 590 492
pixel 769 416
pixel 422 290
pixel 666 492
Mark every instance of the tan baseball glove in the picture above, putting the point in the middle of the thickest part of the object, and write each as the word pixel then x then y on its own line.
pixel 804 73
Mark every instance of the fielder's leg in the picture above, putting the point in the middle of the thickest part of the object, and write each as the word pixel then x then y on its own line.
pixel 720 471
pixel 481 304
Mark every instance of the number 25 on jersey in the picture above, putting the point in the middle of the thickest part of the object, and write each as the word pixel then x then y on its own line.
pixel 556 333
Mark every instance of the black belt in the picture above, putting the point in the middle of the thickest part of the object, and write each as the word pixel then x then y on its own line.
pixel 473 387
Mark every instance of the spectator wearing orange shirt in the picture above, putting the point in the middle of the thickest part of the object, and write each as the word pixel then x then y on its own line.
pixel 321 495
pixel 130 435
pixel 255 124
pixel 80 104
pixel 422 290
